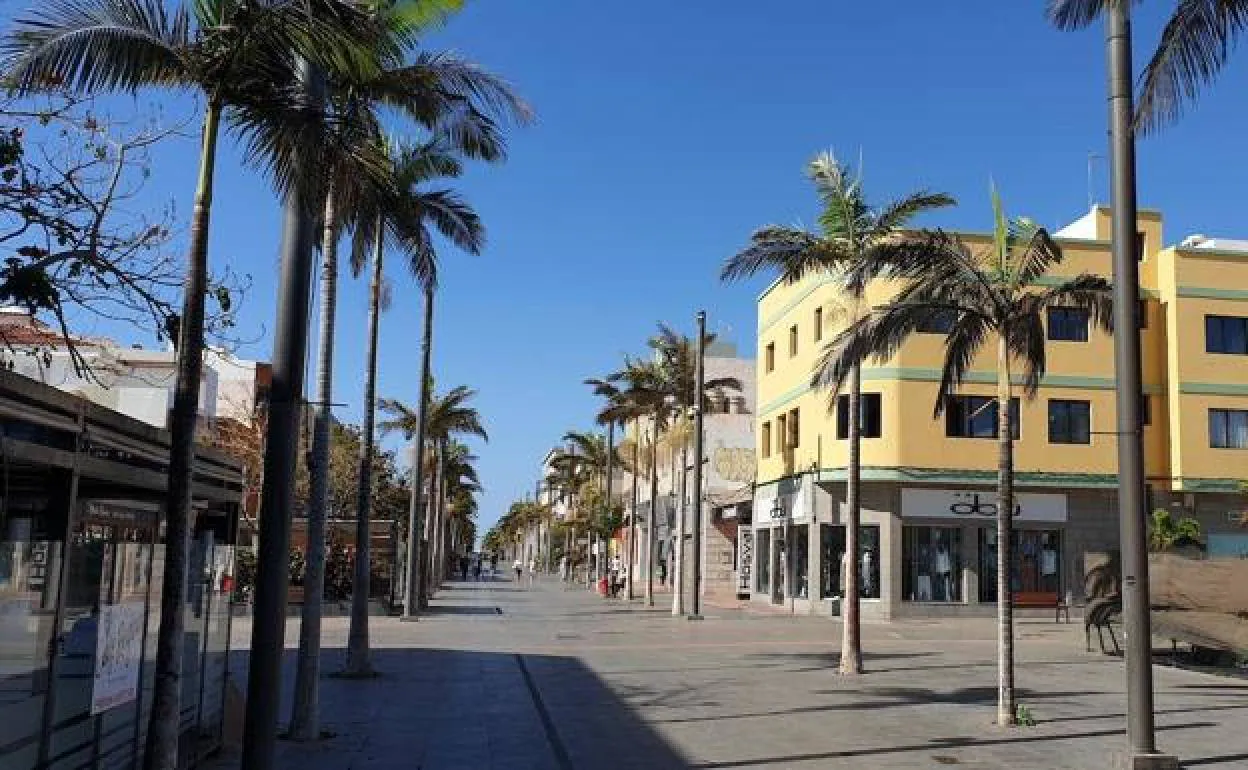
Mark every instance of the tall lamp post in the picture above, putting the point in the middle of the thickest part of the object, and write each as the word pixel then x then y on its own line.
pixel 1131 488
pixel 699 381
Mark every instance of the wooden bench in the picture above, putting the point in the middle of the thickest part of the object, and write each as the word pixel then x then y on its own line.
pixel 1043 600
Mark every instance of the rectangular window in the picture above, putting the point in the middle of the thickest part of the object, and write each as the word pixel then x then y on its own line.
pixel 1068 324
pixel 1141 244
pixel 1228 428
pixel 769 357
pixel 1226 334
pixel 1141 314
pixel 792 341
pixel 818 324
pixel 976 417
pixel 1146 411
pixel 1070 422
pixel 766 439
pixel 1035 562
pixel 931 564
pixel 795 433
pixel 782 433
pixel 762 557
pixel 833 566
pixel 868 416
pixel 937 322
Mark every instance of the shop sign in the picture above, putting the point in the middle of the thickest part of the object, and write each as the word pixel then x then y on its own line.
pixel 745 559
pixel 118 651
pixel 979 505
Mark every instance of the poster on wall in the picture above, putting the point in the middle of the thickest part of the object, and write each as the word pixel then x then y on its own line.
pixel 118 650
pixel 745 559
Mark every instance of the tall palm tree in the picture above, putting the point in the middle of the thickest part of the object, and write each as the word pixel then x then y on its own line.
pixel 1195 46
pixel 449 417
pixel 434 93
pixel 987 296
pixel 617 409
pixel 850 228
pixel 232 53
pixel 676 359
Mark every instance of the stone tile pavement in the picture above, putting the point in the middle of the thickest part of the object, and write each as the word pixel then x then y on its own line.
pixel 501 677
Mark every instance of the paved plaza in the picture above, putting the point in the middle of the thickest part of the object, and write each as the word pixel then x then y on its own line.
pixel 500 677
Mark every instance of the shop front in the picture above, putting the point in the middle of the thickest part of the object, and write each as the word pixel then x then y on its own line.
pixel 781 545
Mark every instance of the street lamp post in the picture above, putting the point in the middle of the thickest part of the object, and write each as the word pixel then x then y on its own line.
pixel 699 382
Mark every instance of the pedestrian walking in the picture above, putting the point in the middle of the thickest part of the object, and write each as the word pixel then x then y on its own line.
pixel 613 586
pixel 518 566
pixel 476 569
pixel 563 568
pixel 463 568
pixel 662 570
pixel 532 571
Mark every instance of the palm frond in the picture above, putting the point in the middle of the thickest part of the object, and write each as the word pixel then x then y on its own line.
pixel 1193 50
pixel 964 340
pixel 89 46
pixel 1090 293
pixel 1075 14
pixel 899 213
pixel 1035 251
pixel 1026 343
pixel 791 252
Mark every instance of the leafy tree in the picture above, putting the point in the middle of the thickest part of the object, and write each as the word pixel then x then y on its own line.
pixel 1165 532
pixel 987 297
pixel 850 230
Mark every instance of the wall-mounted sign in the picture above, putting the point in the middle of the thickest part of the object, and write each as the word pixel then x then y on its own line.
pixel 979 505
pixel 745 560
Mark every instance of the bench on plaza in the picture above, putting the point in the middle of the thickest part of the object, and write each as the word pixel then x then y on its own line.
pixel 1100 614
pixel 1041 600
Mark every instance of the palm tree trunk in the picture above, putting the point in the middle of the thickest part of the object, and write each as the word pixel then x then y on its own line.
pixel 162 737
pixel 430 571
pixel 359 655
pixel 632 524
pixel 411 601
pixel 851 639
pixel 678 566
pixel 305 716
pixel 1005 514
pixel 653 524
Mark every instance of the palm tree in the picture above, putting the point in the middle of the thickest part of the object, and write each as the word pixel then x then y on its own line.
pixel 676 358
pixel 232 53
pixel 985 296
pixel 1195 46
pixel 460 485
pixel 850 228
pixel 448 416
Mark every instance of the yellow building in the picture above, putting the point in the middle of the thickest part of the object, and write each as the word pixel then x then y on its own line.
pixel 929 484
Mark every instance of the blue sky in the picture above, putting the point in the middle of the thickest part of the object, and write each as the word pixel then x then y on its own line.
pixel 668 131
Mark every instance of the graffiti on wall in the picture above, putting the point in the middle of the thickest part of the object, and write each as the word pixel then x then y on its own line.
pixel 733 464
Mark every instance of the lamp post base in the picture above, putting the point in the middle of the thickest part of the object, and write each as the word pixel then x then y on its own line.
pixel 1146 762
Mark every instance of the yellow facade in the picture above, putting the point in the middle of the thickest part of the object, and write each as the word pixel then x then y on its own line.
pixel 1180 286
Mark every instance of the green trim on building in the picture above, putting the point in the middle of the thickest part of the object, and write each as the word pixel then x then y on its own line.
pixel 783 400
pixel 913 475
pixel 1200 292
pixel 1207 485
pixel 1214 253
pixel 1213 388
pixel 792 303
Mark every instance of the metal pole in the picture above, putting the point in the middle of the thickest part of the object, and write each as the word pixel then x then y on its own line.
pixel 411 602
pixel 700 380
pixel 1131 489
pixel 632 525
pixel 606 567
pixel 290 344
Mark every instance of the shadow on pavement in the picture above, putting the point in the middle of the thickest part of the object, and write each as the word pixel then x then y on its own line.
pixel 438 709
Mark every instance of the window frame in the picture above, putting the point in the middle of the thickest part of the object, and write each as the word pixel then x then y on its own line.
pixel 782 433
pixel 938 322
pixel 1226 414
pixel 1072 436
pixel 1049 324
pixel 795 428
pixel 842 416
pixel 793 341
pixel 765 439
pixel 769 358
pixel 1015 416
pixel 819 324
pixel 1220 321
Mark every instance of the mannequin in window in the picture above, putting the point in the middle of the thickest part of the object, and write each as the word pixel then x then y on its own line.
pixel 867 575
pixel 1048 563
pixel 923 587
pixel 944 571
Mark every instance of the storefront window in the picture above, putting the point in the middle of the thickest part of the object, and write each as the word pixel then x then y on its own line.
pixel 1036 564
pixel 800 549
pixel 763 560
pixel 931 567
pixel 832 550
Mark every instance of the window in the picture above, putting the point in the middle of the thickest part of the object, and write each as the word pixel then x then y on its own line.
pixel 937 322
pixel 931 564
pixel 1228 428
pixel 868 416
pixel 1226 334
pixel 976 417
pixel 766 439
pixel 818 324
pixel 832 548
pixel 1070 422
pixel 1068 324
pixel 1035 562
pixel 792 341
pixel 799 555
pixel 1141 242
pixel 782 433
pixel 795 434
pixel 762 556
pixel 769 357
pixel 1141 314
pixel 1146 411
